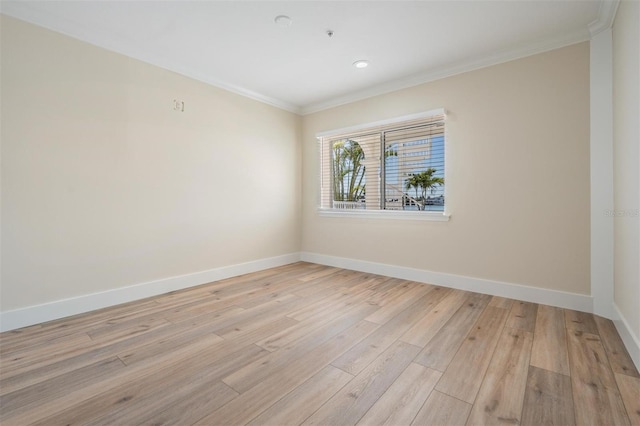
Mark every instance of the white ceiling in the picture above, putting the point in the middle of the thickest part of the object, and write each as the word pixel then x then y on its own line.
pixel 236 44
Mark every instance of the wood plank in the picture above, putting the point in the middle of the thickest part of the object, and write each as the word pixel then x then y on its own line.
pixel 501 394
pixel 159 348
pixel 253 402
pixel 83 322
pixel 463 376
pixel 38 374
pixel 61 376
pixel 387 291
pixel 131 350
pixel 547 400
pixel 38 348
pixel 257 314
pixel 18 335
pixel 138 399
pixel 213 292
pixel 523 316
pixel 290 286
pixel 56 401
pixel 501 302
pixel 270 308
pixel 302 402
pixel 338 299
pixel 322 272
pixel 549 349
pixel 349 298
pixel 251 374
pixel 352 401
pixel 320 286
pixel 41 353
pixel 238 288
pixel 129 406
pixel 128 329
pixel 425 329
pixel 441 349
pixel 384 286
pixel 441 409
pixel 249 326
pixel 309 325
pixel 201 398
pixel 404 398
pixel 399 303
pixel 78 357
pixel 629 387
pixel 207 318
pixel 596 397
pixel 199 403
pixel 60 361
pixel 188 311
pixel 256 300
pixel 580 321
pixel 203 306
pixel 259 333
pixel 619 358
pixel 16 403
pixel 365 352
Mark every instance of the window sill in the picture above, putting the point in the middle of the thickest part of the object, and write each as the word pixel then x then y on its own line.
pixel 386 214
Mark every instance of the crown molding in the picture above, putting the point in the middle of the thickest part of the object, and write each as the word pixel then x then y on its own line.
pixel 606 15
pixel 22 11
pixel 230 88
pixel 451 70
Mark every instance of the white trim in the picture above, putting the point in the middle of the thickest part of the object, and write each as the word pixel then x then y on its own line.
pixel 21 10
pixel 380 123
pixel 601 172
pixel 379 213
pixel 94 36
pixel 545 296
pixel 31 315
pixel 606 14
pixel 10 320
pixel 385 214
pixel 450 70
pixel 630 340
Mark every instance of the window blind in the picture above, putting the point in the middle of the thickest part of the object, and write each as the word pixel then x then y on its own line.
pixel 392 166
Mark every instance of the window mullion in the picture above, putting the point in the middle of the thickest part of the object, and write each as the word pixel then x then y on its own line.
pixel 412 180
pixel 383 171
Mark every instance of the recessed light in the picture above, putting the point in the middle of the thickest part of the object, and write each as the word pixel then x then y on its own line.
pixel 283 21
pixel 361 63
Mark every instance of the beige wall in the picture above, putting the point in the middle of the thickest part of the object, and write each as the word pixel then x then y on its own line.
pixel 518 185
pixel 105 186
pixel 626 162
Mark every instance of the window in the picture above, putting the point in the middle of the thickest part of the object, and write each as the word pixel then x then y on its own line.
pixel 392 166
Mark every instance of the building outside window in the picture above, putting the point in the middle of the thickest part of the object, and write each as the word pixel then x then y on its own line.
pixel 397 165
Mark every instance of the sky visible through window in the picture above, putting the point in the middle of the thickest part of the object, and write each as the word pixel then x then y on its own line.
pixel 425 154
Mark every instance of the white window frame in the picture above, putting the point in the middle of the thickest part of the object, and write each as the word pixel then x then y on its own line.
pixel 390 214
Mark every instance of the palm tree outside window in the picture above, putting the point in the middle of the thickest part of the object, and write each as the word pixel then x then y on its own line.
pixel 399 165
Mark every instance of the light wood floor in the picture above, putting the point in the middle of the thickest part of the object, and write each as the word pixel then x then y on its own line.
pixel 309 344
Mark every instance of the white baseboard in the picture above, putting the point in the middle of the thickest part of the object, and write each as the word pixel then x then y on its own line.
pixel 630 340
pixel 31 315
pixel 560 299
